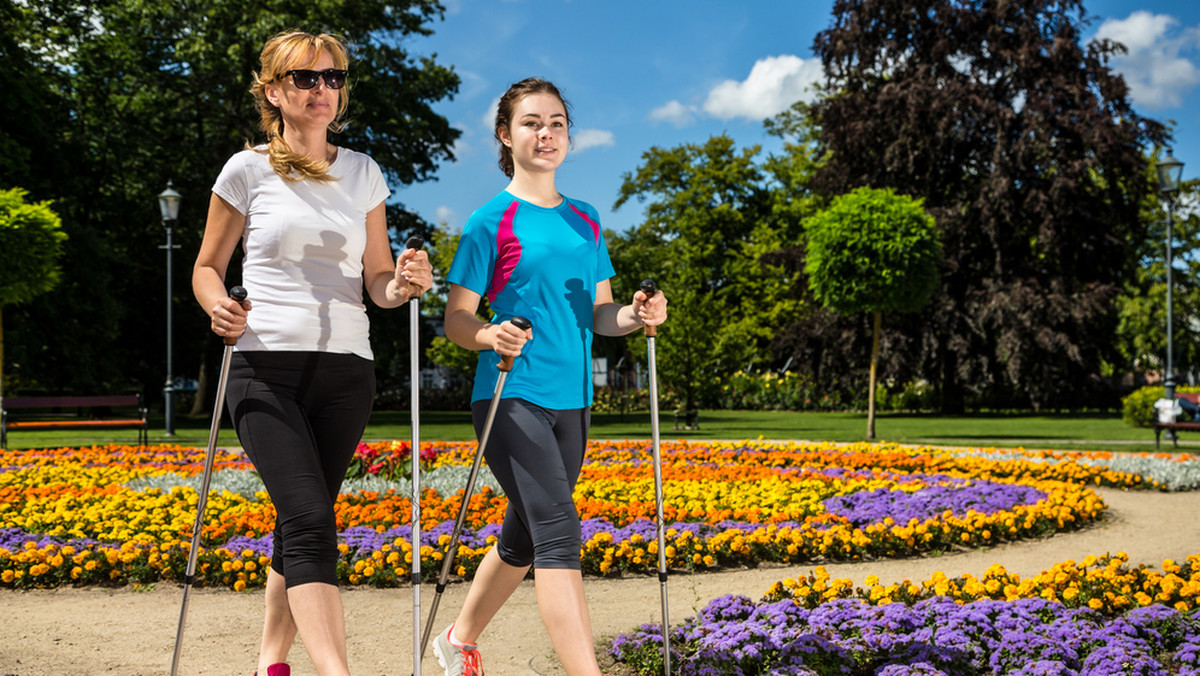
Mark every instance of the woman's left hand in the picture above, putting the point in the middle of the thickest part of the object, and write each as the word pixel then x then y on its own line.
pixel 413 269
pixel 652 310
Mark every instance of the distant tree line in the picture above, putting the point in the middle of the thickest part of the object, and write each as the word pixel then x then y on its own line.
pixel 996 118
pixel 111 100
pixel 1022 144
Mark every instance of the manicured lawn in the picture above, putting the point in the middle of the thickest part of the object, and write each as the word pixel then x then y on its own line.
pixel 1081 431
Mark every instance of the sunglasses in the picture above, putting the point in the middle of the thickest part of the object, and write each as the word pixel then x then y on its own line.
pixel 307 79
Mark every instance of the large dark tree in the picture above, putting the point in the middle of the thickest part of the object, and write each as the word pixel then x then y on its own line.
pixel 117 97
pixel 1025 148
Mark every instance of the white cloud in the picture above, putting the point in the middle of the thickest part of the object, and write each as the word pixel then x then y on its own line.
pixel 583 139
pixel 674 112
pixel 446 215
pixel 1139 32
pixel 489 118
pixel 1156 69
pixel 774 84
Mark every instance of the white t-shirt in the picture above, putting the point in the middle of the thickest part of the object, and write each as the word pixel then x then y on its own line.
pixel 304 243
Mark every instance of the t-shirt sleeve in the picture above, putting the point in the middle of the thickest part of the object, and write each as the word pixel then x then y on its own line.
pixel 475 257
pixel 377 189
pixel 232 184
pixel 604 266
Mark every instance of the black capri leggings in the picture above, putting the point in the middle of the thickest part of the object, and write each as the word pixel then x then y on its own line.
pixel 536 454
pixel 300 416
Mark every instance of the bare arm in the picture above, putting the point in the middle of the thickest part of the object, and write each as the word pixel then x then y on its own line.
pixel 467 330
pixel 391 283
pixel 222 231
pixel 611 319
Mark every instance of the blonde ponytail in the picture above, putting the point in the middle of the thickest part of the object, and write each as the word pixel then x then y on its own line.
pixel 284 52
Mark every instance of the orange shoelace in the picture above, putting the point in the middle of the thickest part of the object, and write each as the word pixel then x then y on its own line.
pixel 472 664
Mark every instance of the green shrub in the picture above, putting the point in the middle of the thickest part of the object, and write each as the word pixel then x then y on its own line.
pixel 1137 408
pixel 614 400
pixel 913 396
pixel 770 391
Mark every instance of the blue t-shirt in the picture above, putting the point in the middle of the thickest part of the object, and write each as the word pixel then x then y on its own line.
pixel 542 264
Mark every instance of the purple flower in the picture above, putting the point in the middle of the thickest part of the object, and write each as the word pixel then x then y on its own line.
pixel 733 635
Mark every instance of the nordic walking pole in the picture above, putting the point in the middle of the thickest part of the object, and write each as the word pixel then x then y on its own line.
pixel 649 288
pixel 506 364
pixel 239 294
pixel 416 242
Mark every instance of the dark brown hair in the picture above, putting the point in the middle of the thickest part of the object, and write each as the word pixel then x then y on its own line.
pixel 508 102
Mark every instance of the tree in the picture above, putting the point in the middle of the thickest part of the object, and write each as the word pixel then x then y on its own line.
pixel 442 351
pixel 1142 305
pixel 31 237
pixel 707 227
pixel 1024 147
pixel 139 93
pixel 872 251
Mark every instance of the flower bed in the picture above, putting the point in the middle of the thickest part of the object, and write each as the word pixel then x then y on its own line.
pixel 1099 616
pixel 76 516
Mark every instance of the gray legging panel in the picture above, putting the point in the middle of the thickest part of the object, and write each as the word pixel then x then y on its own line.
pixel 536 454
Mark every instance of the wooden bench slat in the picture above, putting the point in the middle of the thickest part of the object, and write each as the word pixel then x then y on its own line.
pixel 72 419
pixel 72 401
pixel 51 424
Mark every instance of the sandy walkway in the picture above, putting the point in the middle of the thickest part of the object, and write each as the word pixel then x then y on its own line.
pixel 81 632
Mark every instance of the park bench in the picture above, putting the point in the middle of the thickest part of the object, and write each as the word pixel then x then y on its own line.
pixel 71 411
pixel 1193 426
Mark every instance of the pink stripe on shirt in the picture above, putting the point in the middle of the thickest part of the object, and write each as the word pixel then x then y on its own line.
pixel 508 252
pixel 594 224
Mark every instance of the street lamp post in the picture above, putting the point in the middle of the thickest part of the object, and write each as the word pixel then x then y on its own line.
pixel 1169 172
pixel 168 206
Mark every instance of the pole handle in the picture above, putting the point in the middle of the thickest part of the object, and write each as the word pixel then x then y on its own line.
pixel 239 294
pixel 415 242
pixel 650 288
pixel 506 362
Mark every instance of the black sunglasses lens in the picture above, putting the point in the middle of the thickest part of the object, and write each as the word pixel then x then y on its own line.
pixel 304 79
pixel 334 79
pixel 307 79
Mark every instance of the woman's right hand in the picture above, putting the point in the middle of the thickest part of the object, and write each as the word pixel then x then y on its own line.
pixel 509 339
pixel 229 317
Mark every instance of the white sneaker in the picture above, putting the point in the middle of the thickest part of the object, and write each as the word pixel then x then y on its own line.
pixel 464 661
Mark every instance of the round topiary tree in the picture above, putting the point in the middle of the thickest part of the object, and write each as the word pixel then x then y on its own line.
pixel 31 238
pixel 872 251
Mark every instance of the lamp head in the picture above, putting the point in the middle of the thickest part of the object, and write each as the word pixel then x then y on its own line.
pixel 168 203
pixel 1169 172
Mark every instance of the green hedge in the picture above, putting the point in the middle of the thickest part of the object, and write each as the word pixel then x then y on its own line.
pixel 1137 408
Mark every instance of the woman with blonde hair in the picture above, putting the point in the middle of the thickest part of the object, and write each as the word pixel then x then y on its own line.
pixel 310 217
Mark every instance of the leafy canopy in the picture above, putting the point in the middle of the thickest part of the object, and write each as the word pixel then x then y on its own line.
pixel 872 250
pixel 31 238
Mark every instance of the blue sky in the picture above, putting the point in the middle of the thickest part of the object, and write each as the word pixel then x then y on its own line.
pixel 669 72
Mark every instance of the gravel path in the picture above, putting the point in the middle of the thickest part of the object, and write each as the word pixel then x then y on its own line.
pixel 83 632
